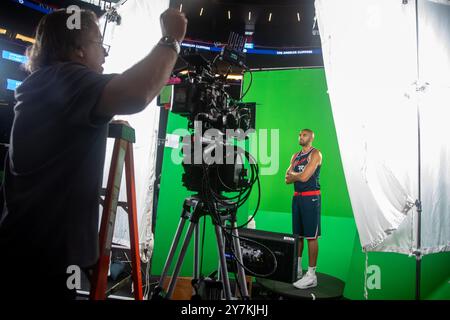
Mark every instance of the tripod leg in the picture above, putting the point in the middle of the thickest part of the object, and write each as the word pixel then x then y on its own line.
pixel 240 269
pixel 173 248
pixel 219 274
pixel 180 260
pixel 196 252
pixel 223 263
pixel 219 271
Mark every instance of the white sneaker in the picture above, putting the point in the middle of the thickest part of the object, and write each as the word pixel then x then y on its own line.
pixel 308 281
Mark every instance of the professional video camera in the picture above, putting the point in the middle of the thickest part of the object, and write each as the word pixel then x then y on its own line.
pixel 213 163
pixel 202 97
pixel 211 160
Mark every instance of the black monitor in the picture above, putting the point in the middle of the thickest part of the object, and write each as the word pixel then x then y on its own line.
pixel 258 253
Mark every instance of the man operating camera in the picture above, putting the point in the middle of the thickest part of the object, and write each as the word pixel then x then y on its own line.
pixel 54 168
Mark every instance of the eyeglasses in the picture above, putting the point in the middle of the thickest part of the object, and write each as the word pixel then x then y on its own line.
pixel 106 47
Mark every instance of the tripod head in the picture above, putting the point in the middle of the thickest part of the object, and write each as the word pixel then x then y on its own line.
pixel 226 211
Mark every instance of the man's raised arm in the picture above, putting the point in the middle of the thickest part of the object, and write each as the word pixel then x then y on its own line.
pixel 131 91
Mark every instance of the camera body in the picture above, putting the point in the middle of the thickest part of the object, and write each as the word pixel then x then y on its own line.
pixel 202 98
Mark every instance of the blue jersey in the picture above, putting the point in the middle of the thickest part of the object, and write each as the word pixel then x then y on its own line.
pixel 300 161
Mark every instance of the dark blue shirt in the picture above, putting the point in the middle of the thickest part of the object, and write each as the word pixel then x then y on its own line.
pixel 300 162
pixel 54 167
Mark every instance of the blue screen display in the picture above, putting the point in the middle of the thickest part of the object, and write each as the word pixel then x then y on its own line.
pixel 12 84
pixel 33 6
pixel 14 56
pixel 249 48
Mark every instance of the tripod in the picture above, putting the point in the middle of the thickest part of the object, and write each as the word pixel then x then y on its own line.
pixel 198 210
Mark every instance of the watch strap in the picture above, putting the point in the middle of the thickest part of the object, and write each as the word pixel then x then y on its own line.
pixel 167 41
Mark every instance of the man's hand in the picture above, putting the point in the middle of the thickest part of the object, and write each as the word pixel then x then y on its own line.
pixel 173 24
pixel 134 89
pixel 291 177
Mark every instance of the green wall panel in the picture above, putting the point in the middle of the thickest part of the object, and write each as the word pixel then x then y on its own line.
pixel 398 275
pixel 289 101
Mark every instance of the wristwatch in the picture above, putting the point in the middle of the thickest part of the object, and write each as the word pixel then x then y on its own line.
pixel 171 42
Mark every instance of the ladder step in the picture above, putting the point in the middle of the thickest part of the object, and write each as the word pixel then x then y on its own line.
pixel 121 131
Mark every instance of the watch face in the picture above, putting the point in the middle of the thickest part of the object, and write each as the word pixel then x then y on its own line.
pixel 168 39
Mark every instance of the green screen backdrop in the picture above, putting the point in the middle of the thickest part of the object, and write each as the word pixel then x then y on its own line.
pixel 288 101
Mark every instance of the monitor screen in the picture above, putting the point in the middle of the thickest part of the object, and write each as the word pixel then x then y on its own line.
pixel 269 255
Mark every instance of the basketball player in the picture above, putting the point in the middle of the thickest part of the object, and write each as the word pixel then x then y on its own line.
pixel 304 174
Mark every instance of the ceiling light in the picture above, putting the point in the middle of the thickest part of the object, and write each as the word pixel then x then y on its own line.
pixel 25 38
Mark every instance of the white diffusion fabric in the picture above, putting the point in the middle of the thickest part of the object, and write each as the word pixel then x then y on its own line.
pixel 132 40
pixel 369 57
pixel 369 50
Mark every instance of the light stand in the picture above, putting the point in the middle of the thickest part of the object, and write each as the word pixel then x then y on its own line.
pixel 418 203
